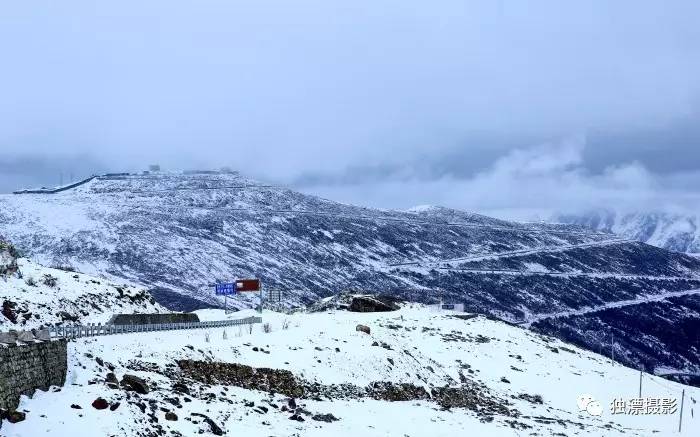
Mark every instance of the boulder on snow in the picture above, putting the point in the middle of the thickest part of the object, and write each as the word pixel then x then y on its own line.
pixel 328 418
pixel 135 383
pixel 215 429
pixel 362 328
pixel 371 304
pixel 100 404
pixel 16 416
pixel 111 378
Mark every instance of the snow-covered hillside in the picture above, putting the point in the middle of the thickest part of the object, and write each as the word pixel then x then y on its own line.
pixel 38 295
pixel 179 233
pixel 455 373
pixel 679 232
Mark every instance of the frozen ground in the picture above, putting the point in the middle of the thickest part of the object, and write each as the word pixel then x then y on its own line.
pixel 413 345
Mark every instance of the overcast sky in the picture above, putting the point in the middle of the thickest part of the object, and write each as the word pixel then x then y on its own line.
pixel 477 105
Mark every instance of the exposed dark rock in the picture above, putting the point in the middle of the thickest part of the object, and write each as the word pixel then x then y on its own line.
pixel 135 383
pixel 362 328
pixel 469 395
pixel 16 416
pixel 371 304
pixel 111 378
pixel 8 310
pixel 182 388
pixel 67 317
pixel 328 418
pixel 534 399
pixel 215 429
pixel 100 404
pixel 170 416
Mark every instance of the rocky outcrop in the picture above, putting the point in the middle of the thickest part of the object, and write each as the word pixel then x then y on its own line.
pixel 470 395
pixel 357 302
pixel 135 383
pixel 372 304
pixel 8 257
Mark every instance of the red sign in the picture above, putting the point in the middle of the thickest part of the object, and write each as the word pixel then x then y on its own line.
pixel 243 285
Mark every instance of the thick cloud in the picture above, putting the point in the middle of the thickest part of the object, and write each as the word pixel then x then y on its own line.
pixel 335 96
pixel 533 183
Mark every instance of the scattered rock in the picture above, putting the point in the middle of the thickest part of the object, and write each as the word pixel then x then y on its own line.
pixel 215 429
pixel 100 404
pixel 111 378
pixel 534 399
pixel 362 328
pixel 65 316
pixel 114 406
pixel 16 416
pixel 135 383
pixel 328 418
pixel 76 407
pixel 170 416
pixel 296 417
pixel 181 388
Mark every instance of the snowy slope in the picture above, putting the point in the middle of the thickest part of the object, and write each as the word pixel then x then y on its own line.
pixel 673 231
pixel 179 233
pixel 45 296
pixel 500 363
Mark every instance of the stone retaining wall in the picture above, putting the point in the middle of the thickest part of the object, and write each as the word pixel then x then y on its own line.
pixel 27 367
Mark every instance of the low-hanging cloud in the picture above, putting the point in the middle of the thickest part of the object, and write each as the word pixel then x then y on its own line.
pixel 439 99
pixel 530 183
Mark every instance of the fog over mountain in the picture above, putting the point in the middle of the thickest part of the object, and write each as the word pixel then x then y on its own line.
pixel 484 106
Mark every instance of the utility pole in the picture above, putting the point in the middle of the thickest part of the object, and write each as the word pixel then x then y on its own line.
pixel 612 345
pixel 680 418
pixel 640 383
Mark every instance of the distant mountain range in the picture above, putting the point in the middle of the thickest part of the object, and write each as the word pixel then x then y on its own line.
pixel 672 231
pixel 178 234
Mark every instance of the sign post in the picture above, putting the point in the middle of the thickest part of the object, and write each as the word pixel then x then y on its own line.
pixel 239 286
pixel 250 285
pixel 225 288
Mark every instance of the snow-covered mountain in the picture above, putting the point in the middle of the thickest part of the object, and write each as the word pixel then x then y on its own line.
pixel 418 372
pixel 177 234
pixel 673 231
pixel 36 295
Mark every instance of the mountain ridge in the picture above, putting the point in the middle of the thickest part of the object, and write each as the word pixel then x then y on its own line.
pixel 181 233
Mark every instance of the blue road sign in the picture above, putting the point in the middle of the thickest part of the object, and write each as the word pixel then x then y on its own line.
pixel 225 288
